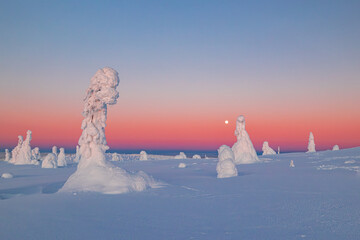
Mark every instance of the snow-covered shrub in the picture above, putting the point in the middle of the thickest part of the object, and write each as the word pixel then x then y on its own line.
pixel 243 149
pixel 7 175
pixel 226 167
pixel 267 150
pixel 311 144
pixel 143 156
pixel 182 165
pixel 180 156
pixel 94 172
pixel 61 158
pixel 50 161
pixel 196 156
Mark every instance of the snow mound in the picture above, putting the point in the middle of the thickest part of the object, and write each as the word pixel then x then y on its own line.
pixel 226 167
pixel 143 156
pixel 311 144
pixel 182 165
pixel 196 156
pixel 336 148
pixel 49 161
pixel 180 156
pixel 61 159
pixel 267 150
pixel 107 179
pixel 7 175
pixel 243 149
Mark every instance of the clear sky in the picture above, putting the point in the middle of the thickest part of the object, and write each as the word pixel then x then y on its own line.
pixel 185 67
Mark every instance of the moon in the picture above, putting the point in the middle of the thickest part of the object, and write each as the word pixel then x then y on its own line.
pixel 226 121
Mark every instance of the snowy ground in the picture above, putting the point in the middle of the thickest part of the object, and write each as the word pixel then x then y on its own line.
pixel 318 199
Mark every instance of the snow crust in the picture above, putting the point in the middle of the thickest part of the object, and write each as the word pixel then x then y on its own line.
pixel 226 167
pixel 50 161
pixel 7 175
pixel 180 156
pixel 94 172
pixel 196 156
pixel 267 150
pixel 143 156
pixel 335 148
pixel 311 144
pixel 61 159
pixel 243 149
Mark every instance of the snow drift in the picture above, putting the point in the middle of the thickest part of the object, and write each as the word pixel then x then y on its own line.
pixel 94 173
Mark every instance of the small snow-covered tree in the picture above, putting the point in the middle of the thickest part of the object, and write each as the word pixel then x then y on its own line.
pixel 267 150
pixel 54 150
pixel 180 156
pixel 311 145
pixel 16 150
pixel 143 156
pixel 24 155
pixel 243 149
pixel 336 148
pixel 7 155
pixel 61 158
pixel 77 154
pixel 94 173
pixel 115 157
pixel 226 167
pixel 36 154
pixel 49 161
pixel 196 156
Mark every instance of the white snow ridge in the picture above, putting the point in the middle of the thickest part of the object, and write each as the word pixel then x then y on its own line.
pixel 267 150
pixel 243 149
pixel 226 167
pixel 93 172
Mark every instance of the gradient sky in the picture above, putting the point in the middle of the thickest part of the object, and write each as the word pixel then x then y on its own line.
pixel 185 67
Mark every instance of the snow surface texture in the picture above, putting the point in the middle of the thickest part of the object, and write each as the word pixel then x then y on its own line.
pixel 94 173
pixel 182 165
pixel 243 149
pixel 7 175
pixel 180 156
pixel 267 201
pixel 226 167
pixel 50 161
pixel 143 156
pixel 336 148
pixel 61 160
pixel 311 145
pixel 267 150
pixel 196 156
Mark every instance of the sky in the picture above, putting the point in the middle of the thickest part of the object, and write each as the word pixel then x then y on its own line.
pixel 290 67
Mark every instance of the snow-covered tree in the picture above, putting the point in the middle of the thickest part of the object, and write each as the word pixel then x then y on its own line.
pixel 24 155
pixel 94 173
pixel 115 157
pixel 16 150
pixel 267 150
pixel 35 153
pixel 77 154
pixel 180 156
pixel 54 150
pixel 61 158
pixel 336 148
pixel 7 155
pixel 226 167
pixel 292 163
pixel 311 145
pixel 49 161
pixel 196 156
pixel 278 150
pixel 243 149
pixel 143 156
